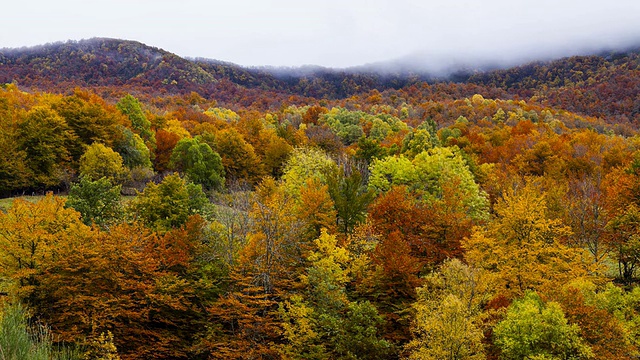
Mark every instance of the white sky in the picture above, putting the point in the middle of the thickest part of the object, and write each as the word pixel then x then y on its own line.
pixel 337 33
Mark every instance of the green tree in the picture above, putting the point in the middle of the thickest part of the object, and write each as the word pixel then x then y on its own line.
pixel 130 106
pixel 201 164
pixel 133 150
pixel 351 198
pixel 533 329
pixel 417 142
pixel 306 163
pixel 429 174
pixel 98 201
pixel 169 204
pixel 626 246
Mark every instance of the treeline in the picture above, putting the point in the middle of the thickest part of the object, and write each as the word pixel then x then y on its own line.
pixel 416 223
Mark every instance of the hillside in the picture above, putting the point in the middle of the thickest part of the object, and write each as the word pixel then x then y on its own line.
pixel 101 62
pixel 316 213
pixel 605 85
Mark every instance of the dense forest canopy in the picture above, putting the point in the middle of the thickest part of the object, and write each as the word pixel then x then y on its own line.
pixel 195 209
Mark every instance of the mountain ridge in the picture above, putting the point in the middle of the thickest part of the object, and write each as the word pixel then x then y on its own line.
pixel 600 85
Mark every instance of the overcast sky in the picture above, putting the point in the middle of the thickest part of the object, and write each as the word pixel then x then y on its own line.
pixel 337 33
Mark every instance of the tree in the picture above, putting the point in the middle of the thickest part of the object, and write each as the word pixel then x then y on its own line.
pixel 14 170
pixel 626 227
pixel 198 162
pixel 534 329
pixel 90 119
pixel 605 333
pixel 417 142
pixel 246 317
pixel 29 237
pixel 169 204
pixel 238 156
pixel 305 163
pixel 315 209
pixel 130 106
pixel 428 174
pixel 133 150
pixel 523 247
pixel 449 315
pixel 99 161
pixel 45 138
pixel 165 143
pixel 351 198
pixel 322 322
pixel 587 216
pixel 98 201
pixel 128 281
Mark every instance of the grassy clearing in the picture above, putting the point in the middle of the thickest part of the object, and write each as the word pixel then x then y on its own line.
pixel 7 202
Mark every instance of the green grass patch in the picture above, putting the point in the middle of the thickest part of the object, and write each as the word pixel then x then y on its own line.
pixel 6 203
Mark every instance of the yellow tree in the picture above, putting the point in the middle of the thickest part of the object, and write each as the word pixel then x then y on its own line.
pixel 30 234
pixel 522 246
pixel 448 314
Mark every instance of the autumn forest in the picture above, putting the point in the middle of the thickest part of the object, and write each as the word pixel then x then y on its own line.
pixel 157 207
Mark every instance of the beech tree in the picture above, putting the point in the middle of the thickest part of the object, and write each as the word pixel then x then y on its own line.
pixel 523 247
pixel 321 322
pixel 131 107
pixel 535 329
pixel 99 161
pixel 169 204
pixel 449 317
pixel 45 139
pixel 30 235
pixel 198 162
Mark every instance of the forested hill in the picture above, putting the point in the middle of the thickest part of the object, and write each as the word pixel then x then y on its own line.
pixel 606 86
pixel 102 62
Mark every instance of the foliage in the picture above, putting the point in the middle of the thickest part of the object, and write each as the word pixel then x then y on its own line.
pixel 350 197
pixel 306 163
pixel 99 161
pixel 448 314
pixel 169 204
pixel 428 173
pixel 322 322
pixel 198 162
pixel 97 201
pixel 132 148
pixel 102 348
pixel 535 329
pixel 131 107
pixel 29 236
pixel 45 137
pixel 523 247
